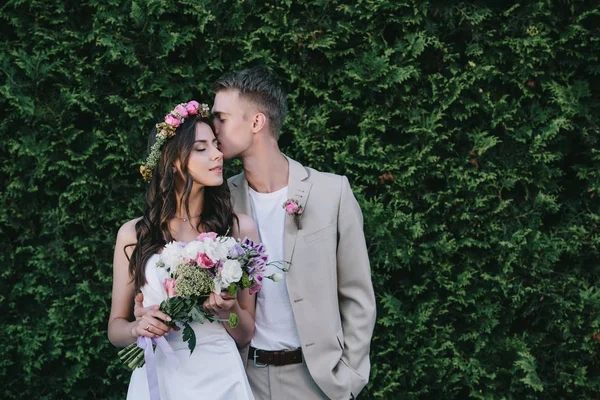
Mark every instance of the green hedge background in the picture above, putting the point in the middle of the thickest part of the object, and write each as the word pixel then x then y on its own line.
pixel 470 132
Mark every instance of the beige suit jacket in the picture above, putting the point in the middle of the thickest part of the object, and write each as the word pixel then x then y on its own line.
pixel 329 279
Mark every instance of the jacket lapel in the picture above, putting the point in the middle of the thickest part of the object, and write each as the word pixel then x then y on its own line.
pixel 298 189
pixel 238 185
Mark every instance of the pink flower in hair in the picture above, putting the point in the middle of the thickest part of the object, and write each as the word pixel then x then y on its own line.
pixel 192 107
pixel 181 110
pixel 172 120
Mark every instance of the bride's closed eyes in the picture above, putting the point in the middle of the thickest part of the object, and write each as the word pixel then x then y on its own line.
pixel 202 146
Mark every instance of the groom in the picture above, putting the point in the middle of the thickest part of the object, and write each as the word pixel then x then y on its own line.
pixel 314 328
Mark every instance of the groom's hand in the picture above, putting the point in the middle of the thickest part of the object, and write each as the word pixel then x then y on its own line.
pixel 220 304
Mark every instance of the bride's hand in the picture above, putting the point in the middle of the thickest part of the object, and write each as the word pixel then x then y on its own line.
pixel 148 320
pixel 220 304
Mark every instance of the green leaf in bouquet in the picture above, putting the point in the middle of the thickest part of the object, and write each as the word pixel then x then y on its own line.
pixel 189 336
pixel 177 308
pixel 197 315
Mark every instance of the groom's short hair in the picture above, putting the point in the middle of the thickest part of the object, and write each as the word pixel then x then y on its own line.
pixel 260 86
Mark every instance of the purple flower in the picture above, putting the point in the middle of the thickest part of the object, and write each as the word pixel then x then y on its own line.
pixel 257 285
pixel 236 251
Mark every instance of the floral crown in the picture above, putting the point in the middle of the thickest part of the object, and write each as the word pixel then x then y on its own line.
pixel 167 129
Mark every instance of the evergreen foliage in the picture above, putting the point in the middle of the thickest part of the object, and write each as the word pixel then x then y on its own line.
pixel 469 132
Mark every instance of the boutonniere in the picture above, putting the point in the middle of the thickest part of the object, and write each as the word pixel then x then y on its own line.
pixel 293 208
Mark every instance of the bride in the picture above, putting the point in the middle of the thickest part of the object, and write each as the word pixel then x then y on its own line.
pixel 186 195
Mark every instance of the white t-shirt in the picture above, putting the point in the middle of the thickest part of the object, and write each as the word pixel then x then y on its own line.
pixel 275 325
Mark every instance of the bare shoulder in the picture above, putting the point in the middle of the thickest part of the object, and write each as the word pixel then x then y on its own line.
pixel 246 227
pixel 127 232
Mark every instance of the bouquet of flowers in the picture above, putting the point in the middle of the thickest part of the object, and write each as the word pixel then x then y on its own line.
pixel 208 264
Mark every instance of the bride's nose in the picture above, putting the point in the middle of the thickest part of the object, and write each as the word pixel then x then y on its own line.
pixel 217 154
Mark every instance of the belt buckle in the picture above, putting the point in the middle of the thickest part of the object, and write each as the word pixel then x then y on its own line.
pixel 258 363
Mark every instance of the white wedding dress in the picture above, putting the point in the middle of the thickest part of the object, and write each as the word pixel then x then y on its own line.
pixel 213 371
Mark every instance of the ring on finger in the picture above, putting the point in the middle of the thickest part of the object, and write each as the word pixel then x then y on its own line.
pixel 148 327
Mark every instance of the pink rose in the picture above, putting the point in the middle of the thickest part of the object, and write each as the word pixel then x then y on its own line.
pixel 192 107
pixel 172 120
pixel 181 110
pixel 291 207
pixel 169 286
pixel 210 235
pixel 204 261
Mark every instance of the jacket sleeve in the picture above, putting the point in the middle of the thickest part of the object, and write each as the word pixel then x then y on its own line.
pixel 355 290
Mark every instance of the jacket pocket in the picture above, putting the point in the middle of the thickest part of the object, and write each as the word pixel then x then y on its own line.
pixel 318 234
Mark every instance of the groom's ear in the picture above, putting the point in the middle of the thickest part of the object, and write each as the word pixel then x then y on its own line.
pixel 259 122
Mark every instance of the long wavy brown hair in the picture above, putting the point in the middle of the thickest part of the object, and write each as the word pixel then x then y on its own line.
pixel 152 231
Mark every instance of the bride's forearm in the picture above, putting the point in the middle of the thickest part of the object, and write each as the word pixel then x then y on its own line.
pixel 120 332
pixel 244 331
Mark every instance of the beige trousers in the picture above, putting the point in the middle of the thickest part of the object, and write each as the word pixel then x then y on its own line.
pixel 286 382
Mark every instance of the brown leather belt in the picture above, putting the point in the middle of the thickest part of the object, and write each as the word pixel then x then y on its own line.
pixel 262 358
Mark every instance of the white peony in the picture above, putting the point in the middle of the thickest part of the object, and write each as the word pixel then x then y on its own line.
pixel 193 248
pixel 231 272
pixel 229 243
pixel 218 284
pixel 215 250
pixel 172 255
